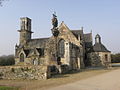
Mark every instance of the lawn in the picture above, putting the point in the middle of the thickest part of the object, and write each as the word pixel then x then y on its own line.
pixel 8 88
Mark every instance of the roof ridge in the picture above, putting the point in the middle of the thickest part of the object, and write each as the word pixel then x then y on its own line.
pixel 40 38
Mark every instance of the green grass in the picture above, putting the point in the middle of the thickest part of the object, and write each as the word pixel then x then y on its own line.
pixel 8 88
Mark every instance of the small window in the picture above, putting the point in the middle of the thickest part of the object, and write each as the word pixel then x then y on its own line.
pixel 106 57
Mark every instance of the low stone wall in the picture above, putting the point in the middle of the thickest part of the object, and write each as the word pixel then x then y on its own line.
pixel 24 72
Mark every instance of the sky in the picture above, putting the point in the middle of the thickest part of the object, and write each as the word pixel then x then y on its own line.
pixel 100 16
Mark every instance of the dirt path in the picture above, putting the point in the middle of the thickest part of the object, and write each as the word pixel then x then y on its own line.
pixel 106 81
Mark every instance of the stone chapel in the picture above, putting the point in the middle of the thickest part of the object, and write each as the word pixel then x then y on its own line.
pixel 66 49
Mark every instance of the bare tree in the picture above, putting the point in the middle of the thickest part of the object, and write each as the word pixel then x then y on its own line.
pixel 1 1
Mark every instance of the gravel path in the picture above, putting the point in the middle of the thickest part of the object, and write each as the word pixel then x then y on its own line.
pixel 106 81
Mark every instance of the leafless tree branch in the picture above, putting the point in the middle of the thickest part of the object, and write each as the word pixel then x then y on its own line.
pixel 1 1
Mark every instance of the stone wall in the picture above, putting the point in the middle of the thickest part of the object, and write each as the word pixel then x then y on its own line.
pixel 95 59
pixel 24 72
pixel 30 61
pixel 98 58
pixel 105 61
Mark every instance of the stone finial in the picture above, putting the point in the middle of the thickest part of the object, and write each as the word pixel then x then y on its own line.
pixel 91 31
pixel 81 28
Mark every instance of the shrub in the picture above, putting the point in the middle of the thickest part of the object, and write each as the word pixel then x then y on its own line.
pixel 7 60
pixel 115 58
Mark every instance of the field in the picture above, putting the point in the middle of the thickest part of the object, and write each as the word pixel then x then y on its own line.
pixel 54 81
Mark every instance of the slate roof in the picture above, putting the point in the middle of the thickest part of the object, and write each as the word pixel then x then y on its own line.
pixel 29 52
pixel 99 47
pixel 38 43
pixel 40 40
pixel 77 33
pixel 88 40
pixel 87 37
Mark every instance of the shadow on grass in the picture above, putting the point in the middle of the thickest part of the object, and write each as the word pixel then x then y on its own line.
pixel 78 71
pixel 64 75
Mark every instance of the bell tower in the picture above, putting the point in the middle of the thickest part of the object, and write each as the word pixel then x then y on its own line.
pixel 25 30
pixel 97 39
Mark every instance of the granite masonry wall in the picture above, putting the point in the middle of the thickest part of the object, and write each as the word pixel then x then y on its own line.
pixel 24 72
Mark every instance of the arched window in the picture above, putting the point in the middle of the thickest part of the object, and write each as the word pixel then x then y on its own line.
pixel 22 57
pixel 61 48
